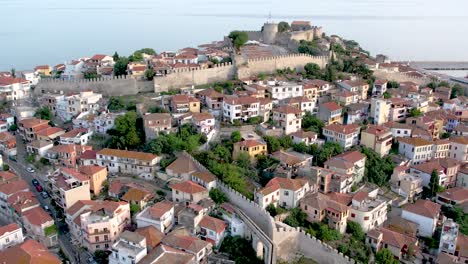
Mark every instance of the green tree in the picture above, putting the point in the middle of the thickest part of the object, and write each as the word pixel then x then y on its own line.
pixel 273 143
pixel 149 74
pixel 313 70
pixel 387 95
pixel 434 186
pixel 385 256
pixel 393 84
pixel 91 75
pixel 328 234
pixel 134 209
pixel 236 136
pixel 296 218
pixel 43 113
pixel 378 170
pixel 238 38
pixel 13 72
pixel 148 51
pixel 120 66
pixel 414 112
pixel 283 26
pixel 240 250
pixel 218 196
pixel 355 230
pixel 13 127
pixel 115 56
pixel 312 123
pixel 125 133
pixel 101 256
pixel 330 73
pixel 457 90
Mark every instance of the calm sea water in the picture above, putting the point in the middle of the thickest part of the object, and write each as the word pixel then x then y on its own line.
pixel 37 32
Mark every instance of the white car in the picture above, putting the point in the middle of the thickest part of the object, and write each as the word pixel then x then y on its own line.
pixel 31 170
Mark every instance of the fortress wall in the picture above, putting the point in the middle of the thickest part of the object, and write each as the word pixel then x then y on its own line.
pixel 186 77
pixel 119 85
pixel 292 242
pixel 254 35
pixel 400 77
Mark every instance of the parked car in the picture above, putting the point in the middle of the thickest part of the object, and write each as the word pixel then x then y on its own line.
pixel 35 182
pixel 39 188
pixel 30 170
pixel 46 208
pixel 44 195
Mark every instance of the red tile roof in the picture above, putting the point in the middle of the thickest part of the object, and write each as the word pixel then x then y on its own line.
pixel 423 207
pixel 14 187
pixel 282 183
pixel 127 154
pixel 4 81
pixel 37 216
pixel 188 187
pixel 286 109
pixel 8 228
pixel 30 252
pixel 213 224
pixel 250 143
pixel 458 194
pixel 331 106
pixel 343 129
pixel 159 209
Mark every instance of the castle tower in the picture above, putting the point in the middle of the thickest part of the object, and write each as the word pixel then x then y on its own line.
pixel 269 32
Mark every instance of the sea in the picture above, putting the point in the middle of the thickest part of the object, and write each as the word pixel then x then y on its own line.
pixel 50 32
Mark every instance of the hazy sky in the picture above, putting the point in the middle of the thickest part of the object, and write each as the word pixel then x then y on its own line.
pixel 51 31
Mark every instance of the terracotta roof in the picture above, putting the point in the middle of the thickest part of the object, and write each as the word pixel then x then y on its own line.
pixel 37 216
pixel 316 82
pixel 127 154
pixel 8 228
pixel 152 234
pixel 157 116
pixel 136 195
pixel 331 106
pixel 458 194
pixel 423 207
pixel 396 239
pixel 415 141
pixel 187 243
pixel 183 164
pixel 4 81
pixel 211 93
pixel 213 224
pixel 98 57
pixel 403 226
pixel 38 144
pixel 286 109
pixel 46 132
pixel 74 173
pixel 90 170
pixel 428 167
pixel 250 143
pixel 300 23
pixel 321 202
pixel 32 122
pixel 30 252
pixel 182 98
pixel 296 100
pixel 89 154
pixel 74 133
pixel 343 129
pixel 462 245
pixel 360 196
pixel 286 157
pixel 341 198
pixel 377 130
pixel 95 205
pixel 6 176
pixel 240 100
pixel 188 187
pixel 345 93
pixel 304 134
pixel 139 68
pixel 13 187
pixel 392 124
pixel 159 209
pixel 351 156
pixel 164 254
pixel 115 187
pixel 205 176
pixel 202 116
pixel 460 140
pixel 282 183
pixel 338 163
pixel 42 67
pixel 380 82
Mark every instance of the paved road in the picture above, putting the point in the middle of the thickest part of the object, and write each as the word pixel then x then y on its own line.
pixel 74 253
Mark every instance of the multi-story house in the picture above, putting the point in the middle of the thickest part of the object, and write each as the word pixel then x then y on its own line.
pixel 459 149
pixel 7 144
pixel 69 187
pixel 78 103
pixel 322 87
pixel 97 224
pixel 433 125
pixel 380 110
pixel 156 123
pixel 359 87
pixel 181 103
pixel 356 113
pixel 319 206
pixel 41 227
pixel 29 252
pixel 345 135
pixel 283 90
pixel 131 162
pixel 10 235
pixel 399 109
pixel 282 192
pixel 97 176
pixel 73 70
pixel 129 248
pixel 368 209
pixel 66 155
pixel 397 243
pixel 7 118
pixel 212 229
pixel 29 127
pixel 250 146
pixel 378 138
pixel 78 136
pixel 7 191
pixel 423 212
pixel 311 91
pixel 43 70
pixel 266 105
pixel 348 163
pixel 204 122
pixel 306 137
pixel 256 90
pixel 345 97
pixel 416 149
pixel 160 215
pixel 448 237
pixel 188 192
pixel 49 134
pixel 301 102
pixel 425 169
pixel 405 184
pixel 193 245
pixel 240 108
pixel 380 87
pixel 330 113
pixel 13 89
pixel 399 129
pixel 288 118
pixel 211 99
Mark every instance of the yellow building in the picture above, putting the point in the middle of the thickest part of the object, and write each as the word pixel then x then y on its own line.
pixel 182 103
pixel 43 70
pixel 251 147
pixel 378 138
pixel 97 176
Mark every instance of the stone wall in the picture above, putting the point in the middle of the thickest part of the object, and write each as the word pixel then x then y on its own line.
pixel 293 242
pixel 120 85
pixel 400 77
pixel 187 77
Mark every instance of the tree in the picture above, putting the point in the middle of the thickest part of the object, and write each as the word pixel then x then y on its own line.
pixel 283 26
pixel 296 218
pixel 90 75
pixel 6 167
pixel 115 56
pixel 134 209
pixel 238 38
pixel 313 70
pixel 148 51
pixel 393 84
pixel 13 72
pixel 116 104
pixel 273 143
pixel 236 136
pixel 414 112
pixel 43 113
pixel 149 74
pixel 385 256
pixel 312 123
pixel 157 109
pixel 387 95
pixel 101 256
pixel 330 73
pixel 328 234
pixel 120 67
pixel 240 250
pixel 457 90
pixel 218 196
pixel 125 134
pixel 434 186
pixel 378 170
pixel 355 230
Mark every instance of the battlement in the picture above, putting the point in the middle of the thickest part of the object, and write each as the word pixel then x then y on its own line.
pixel 219 65
pixel 102 79
pixel 292 55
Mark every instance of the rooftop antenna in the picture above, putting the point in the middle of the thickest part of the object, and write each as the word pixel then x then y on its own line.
pixel 269 18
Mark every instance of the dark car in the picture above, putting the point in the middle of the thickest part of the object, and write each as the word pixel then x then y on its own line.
pixel 39 188
pixel 35 182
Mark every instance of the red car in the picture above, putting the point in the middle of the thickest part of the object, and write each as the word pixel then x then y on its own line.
pixel 39 188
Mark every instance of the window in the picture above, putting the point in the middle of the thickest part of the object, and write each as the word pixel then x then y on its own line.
pixel 366 218
pixel 286 193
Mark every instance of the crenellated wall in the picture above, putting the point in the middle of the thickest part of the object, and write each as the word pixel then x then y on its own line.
pixel 400 77
pixel 118 85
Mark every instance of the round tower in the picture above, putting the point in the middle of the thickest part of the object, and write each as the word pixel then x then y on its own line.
pixel 269 32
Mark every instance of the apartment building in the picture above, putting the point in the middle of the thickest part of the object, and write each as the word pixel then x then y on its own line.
pixel 406 184
pixel 377 138
pixel 424 213
pixel 380 87
pixel 129 248
pixel 156 123
pixel 97 224
pixel 212 230
pixel 66 155
pixel 130 162
pixel 97 176
pixel 301 102
pixel 359 87
pixel 418 150
pixel 240 108
pixel 459 149
pixel 330 113
pixel 380 110
pixel 316 87
pixel 69 187
pixel 13 89
pixel 282 90
pixel 86 101
pixel 288 118
pixel 345 135
pixel 282 192
pixel 211 99
pixel 204 122
pixel 345 97
pixel 159 215
pixel 41 227
pixel 433 125
pixel 348 163
pixel 368 209
pixel 28 128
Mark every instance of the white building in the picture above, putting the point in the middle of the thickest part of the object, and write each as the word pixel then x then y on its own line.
pixel 131 162
pixel 282 192
pixel 78 103
pixel 423 212
pixel 380 110
pixel 306 137
pixel 240 108
pixel 416 149
pixel 160 215
pixel 283 90
pixel 368 210
pixel 10 235
pixel 73 70
pixel 380 87
pixel 78 136
pixel 204 122
pixel 288 118
pixel 212 229
pixel 345 135
pixel 13 89
pixel 448 237
pixel 188 192
pixel 129 248
pixel 459 149
pixel 30 76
